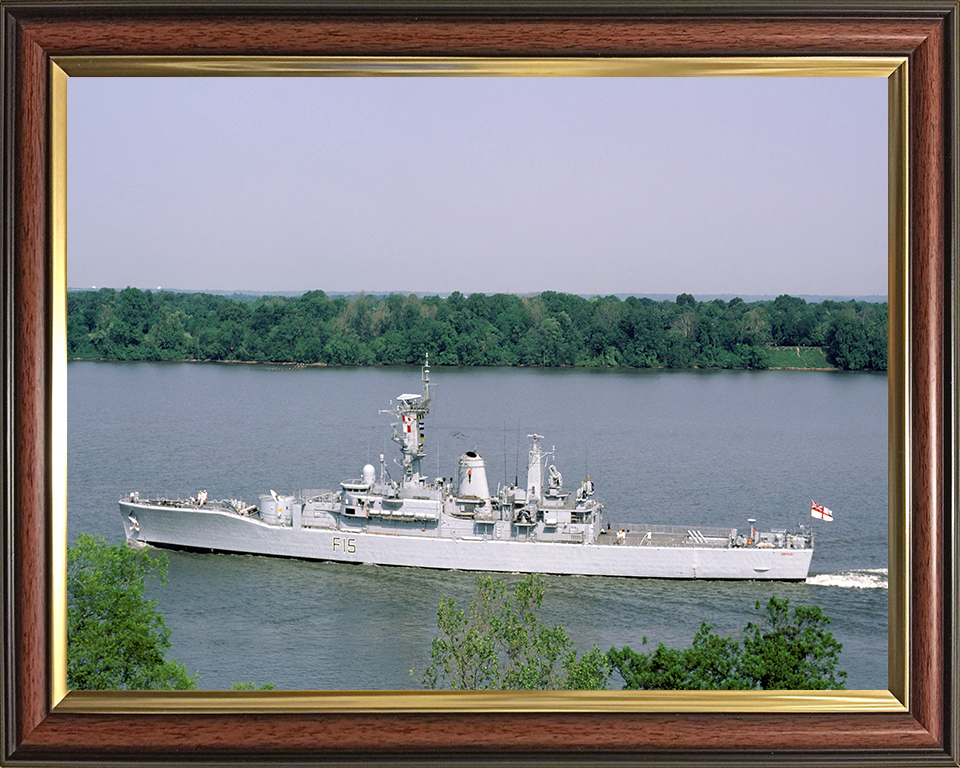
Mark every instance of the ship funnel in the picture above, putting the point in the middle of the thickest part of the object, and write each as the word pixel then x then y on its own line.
pixel 472 480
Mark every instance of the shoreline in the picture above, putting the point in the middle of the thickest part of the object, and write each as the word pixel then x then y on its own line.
pixel 299 366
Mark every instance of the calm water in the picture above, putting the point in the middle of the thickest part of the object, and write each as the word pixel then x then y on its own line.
pixel 685 447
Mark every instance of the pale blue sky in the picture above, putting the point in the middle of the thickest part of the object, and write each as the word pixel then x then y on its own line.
pixel 594 185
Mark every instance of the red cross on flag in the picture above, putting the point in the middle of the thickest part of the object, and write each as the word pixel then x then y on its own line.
pixel 820 512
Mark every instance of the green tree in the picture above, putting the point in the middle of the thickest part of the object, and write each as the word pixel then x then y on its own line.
pixel 847 343
pixel 782 651
pixel 792 652
pixel 498 643
pixel 789 320
pixel 711 663
pixel 116 638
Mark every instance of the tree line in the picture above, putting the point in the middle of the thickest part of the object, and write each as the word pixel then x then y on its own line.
pixel 547 329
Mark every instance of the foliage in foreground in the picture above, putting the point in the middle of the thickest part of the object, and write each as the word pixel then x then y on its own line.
pixel 116 637
pixel 498 643
pixel 781 651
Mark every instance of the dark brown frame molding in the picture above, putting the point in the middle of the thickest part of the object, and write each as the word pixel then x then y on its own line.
pixel 34 732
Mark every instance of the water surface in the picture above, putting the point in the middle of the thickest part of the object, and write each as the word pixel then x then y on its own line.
pixel 677 447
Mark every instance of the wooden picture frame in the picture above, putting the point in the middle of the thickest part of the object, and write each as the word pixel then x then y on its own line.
pixel 40 726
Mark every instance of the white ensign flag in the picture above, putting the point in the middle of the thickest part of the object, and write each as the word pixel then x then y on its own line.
pixel 821 512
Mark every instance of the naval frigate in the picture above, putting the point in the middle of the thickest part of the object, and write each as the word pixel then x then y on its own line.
pixel 542 526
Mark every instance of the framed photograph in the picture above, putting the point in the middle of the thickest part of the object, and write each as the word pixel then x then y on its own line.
pixel 45 45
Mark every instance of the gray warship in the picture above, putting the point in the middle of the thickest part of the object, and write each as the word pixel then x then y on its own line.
pixel 541 526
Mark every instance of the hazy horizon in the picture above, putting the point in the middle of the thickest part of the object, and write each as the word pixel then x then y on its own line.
pixel 668 296
pixel 592 186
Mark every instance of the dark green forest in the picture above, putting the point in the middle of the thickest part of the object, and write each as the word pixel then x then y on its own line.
pixel 548 329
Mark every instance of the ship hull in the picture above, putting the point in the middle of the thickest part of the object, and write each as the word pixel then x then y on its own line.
pixel 222 531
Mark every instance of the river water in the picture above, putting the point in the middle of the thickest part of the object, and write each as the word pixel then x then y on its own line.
pixel 677 447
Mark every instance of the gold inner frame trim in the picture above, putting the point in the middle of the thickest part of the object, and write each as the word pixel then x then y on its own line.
pixel 898 390
pixel 234 702
pixel 58 382
pixel 895 69
pixel 415 66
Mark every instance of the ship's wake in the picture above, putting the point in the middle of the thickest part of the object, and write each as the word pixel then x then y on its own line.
pixel 866 578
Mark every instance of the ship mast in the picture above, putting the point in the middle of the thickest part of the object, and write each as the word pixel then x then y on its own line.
pixel 535 464
pixel 408 432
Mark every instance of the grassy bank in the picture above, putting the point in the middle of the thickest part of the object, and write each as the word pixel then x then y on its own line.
pixel 813 358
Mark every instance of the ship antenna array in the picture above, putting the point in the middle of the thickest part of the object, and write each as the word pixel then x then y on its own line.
pixel 425 376
pixel 517 475
pixel 504 453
